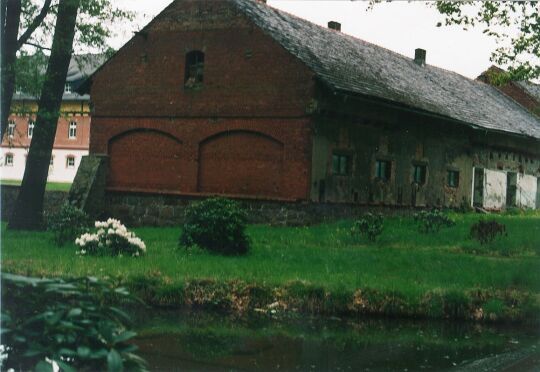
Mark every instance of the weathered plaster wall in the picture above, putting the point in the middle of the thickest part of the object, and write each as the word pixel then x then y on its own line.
pixel 368 132
pixel 526 191
pixel 494 189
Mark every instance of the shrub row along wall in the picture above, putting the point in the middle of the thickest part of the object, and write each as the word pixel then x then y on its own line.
pixel 168 210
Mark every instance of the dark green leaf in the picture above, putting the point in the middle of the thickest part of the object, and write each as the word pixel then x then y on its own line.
pixel 43 366
pixel 114 362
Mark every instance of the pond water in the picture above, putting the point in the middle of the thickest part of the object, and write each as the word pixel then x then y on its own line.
pixel 202 341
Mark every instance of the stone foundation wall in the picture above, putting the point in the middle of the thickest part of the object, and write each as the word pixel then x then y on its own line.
pixel 53 200
pixel 168 210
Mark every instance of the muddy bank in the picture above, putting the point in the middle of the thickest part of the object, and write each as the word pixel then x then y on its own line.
pixel 299 297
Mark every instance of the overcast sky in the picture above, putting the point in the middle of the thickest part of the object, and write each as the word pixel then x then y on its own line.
pixel 400 26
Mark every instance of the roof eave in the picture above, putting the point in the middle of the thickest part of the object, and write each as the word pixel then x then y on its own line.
pixel 397 105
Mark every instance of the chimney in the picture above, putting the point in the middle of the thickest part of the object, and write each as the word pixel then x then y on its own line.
pixel 420 57
pixel 334 25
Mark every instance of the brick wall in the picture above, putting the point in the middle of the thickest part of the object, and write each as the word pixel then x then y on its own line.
pixel 245 131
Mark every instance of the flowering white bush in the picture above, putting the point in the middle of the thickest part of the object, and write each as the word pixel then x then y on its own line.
pixel 111 238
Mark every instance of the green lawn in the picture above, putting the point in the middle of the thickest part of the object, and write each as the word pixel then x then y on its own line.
pixel 323 255
pixel 320 269
pixel 51 186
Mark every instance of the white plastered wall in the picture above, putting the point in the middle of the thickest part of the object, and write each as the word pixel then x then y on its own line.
pixel 58 172
pixel 526 191
pixel 494 189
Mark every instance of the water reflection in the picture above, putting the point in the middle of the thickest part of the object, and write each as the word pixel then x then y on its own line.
pixel 213 342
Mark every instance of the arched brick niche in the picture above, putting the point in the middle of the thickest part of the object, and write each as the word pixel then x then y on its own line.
pixel 146 159
pixel 241 163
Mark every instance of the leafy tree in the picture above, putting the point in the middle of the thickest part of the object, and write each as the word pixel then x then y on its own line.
pixel 76 22
pixel 28 212
pixel 519 51
pixel 31 23
pixel 515 25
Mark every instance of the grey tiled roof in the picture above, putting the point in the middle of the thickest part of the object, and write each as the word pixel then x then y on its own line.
pixel 352 65
pixel 531 88
pixel 80 67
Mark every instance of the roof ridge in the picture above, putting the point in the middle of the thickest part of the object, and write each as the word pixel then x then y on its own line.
pixel 351 64
pixel 352 37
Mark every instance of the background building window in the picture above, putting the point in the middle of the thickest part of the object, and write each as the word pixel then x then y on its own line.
pixel 383 170
pixel 8 161
pixel 67 88
pixel 194 73
pixel 419 174
pixel 70 162
pixel 341 164
pixel 453 178
pixel 11 128
pixel 72 130
pixel 31 125
pixel 51 163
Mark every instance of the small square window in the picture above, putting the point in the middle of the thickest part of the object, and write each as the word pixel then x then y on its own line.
pixel 70 162
pixel 31 125
pixel 341 164
pixel 72 130
pixel 8 161
pixel 419 174
pixel 194 69
pixel 453 178
pixel 67 88
pixel 383 170
pixel 11 128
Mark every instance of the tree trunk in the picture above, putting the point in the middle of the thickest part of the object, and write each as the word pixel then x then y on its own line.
pixel 28 212
pixel 11 15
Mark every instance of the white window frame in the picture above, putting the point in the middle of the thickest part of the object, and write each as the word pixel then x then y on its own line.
pixel 11 128
pixel 7 163
pixel 72 130
pixel 67 88
pixel 68 158
pixel 31 125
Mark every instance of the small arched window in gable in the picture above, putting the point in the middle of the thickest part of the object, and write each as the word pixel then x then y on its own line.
pixel 194 73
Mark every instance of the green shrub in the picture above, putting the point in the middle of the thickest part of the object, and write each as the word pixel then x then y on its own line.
pixel 67 224
pixel 486 232
pixel 370 225
pixel 69 323
pixel 217 225
pixel 432 221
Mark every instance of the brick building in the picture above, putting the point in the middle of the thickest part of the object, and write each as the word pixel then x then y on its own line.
pixel 525 93
pixel 72 135
pixel 233 97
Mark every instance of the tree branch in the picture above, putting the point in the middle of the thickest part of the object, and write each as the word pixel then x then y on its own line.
pixel 35 24
pixel 37 45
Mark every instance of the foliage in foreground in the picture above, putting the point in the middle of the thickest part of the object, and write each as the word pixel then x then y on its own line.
pixel 69 323
pixel 486 232
pixel 112 238
pixel 370 224
pixel 67 224
pixel 432 221
pixel 217 225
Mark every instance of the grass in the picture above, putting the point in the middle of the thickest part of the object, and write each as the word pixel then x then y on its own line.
pixel 51 186
pixel 317 261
